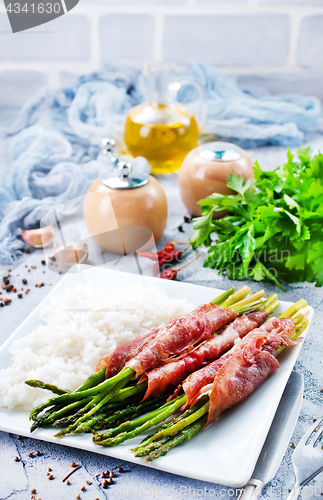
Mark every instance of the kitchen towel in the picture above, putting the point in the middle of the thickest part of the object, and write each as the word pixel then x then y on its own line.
pixel 55 141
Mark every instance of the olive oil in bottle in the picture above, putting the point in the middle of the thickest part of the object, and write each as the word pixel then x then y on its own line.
pixel 161 130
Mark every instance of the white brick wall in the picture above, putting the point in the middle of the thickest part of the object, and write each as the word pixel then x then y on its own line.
pixel 274 43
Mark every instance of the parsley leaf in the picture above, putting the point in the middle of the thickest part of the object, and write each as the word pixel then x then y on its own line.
pixel 274 225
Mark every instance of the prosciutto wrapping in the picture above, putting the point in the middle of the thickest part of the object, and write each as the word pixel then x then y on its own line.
pixel 180 334
pixel 240 375
pixel 275 331
pixel 168 376
pixel 116 360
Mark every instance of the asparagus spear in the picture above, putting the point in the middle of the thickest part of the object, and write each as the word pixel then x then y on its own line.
pixel 133 428
pixel 92 381
pixel 122 415
pixel 49 387
pixel 181 437
pixel 141 450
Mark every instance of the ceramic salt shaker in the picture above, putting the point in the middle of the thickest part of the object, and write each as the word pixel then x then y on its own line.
pixel 127 211
pixel 205 170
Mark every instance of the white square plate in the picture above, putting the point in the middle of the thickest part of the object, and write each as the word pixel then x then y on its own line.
pixel 227 451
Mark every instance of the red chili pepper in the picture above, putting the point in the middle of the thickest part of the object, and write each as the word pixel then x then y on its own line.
pixel 169 247
pixel 171 274
pixel 167 254
pixel 174 255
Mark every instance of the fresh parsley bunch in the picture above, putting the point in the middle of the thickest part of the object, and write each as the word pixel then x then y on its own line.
pixel 273 227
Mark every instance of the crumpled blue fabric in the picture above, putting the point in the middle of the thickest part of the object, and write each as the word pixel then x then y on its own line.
pixel 55 139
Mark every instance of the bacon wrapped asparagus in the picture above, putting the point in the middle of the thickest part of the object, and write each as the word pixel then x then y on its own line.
pixel 238 374
pixel 277 332
pixel 171 340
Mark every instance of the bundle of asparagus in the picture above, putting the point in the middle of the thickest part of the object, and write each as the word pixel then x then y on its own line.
pixel 198 416
pixel 98 403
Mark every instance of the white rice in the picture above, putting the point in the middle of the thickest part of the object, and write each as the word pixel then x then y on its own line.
pixel 80 326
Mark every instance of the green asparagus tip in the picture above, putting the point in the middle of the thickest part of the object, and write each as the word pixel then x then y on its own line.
pixel 237 296
pixel 223 297
pixel 294 309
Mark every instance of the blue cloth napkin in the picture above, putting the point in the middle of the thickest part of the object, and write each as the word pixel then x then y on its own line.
pixel 54 143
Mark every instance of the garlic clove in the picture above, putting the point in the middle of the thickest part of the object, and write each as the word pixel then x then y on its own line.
pixel 39 238
pixel 72 254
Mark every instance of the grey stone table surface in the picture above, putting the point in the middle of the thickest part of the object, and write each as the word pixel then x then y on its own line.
pixel 18 478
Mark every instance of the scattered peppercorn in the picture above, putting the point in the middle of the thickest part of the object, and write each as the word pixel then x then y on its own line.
pixel 28 270
pixel 49 469
pixel 49 284
pixel 59 272
pixel 106 472
pixel 9 269
pixel 24 281
pixel 43 262
pixel 110 480
pixel 6 302
pixel 67 482
pixel 50 476
pixel 17 274
pixel 314 419
pixel 44 272
pixel 33 491
pixel 88 482
pixel 2 304
pixel 37 453
pixel 322 389
pixel 6 281
pixel 19 295
pixel 73 464
pixel 78 496
pixel 30 455
pixel 9 288
pixel 47 474
pixel 187 219
pixel 16 459
pixel 83 488
pixel 18 437
pixel 111 474
pixel 105 484
pixel 119 469
pixel 103 474
pixel 180 228
pixel 293 445
pixel 26 250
